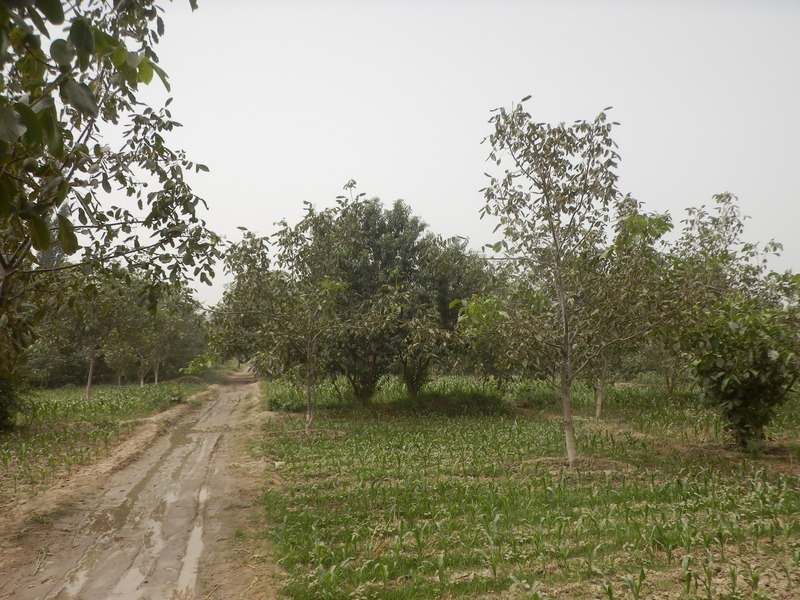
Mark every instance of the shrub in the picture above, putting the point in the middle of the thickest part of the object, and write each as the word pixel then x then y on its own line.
pixel 745 359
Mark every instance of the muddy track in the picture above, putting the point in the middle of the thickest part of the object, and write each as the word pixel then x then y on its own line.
pixel 144 529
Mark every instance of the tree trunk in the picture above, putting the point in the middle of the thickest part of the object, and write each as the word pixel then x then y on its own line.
pixel 311 382
pixel 89 377
pixel 566 408
pixel 155 372
pixel 566 365
pixel 414 375
pixel 119 379
pixel 599 388
pixel 311 399
pixel 669 382
pixel 8 401
pixel 598 399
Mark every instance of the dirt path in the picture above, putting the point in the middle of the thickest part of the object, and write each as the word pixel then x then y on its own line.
pixel 157 520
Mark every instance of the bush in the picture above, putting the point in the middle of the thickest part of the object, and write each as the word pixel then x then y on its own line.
pixel 745 359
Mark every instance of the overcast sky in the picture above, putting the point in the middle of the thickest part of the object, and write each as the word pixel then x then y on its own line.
pixel 285 101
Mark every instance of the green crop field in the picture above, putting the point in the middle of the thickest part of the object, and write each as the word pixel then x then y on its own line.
pixel 460 495
pixel 59 429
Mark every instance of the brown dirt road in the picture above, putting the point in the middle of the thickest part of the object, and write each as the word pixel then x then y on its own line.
pixel 159 519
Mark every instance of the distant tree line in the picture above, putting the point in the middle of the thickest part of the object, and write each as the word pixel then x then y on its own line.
pixel 116 327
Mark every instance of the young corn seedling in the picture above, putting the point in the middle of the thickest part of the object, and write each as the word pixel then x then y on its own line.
pixel 787 570
pixel 706 577
pixel 591 557
pixel 733 573
pixel 753 580
pixel 635 583
pixel 688 574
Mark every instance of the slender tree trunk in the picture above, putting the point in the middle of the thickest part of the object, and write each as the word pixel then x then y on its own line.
pixel 155 372
pixel 566 408
pixel 566 361
pixel 119 379
pixel 598 398
pixel 311 384
pixel 599 388
pixel 414 374
pixel 89 377
pixel 7 401
pixel 311 399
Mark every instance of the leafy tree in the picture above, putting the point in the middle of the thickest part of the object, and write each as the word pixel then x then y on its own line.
pixel 92 317
pixel 629 299
pixel 171 331
pixel 554 203
pixel 372 253
pixel 708 264
pixel 355 290
pixel 377 252
pixel 426 316
pixel 70 71
pixel 736 326
pixel 121 321
pixel 276 319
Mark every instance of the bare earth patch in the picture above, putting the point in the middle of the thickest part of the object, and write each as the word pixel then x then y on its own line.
pixel 167 515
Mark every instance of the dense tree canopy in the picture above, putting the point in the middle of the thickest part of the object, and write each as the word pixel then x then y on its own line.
pixel 356 290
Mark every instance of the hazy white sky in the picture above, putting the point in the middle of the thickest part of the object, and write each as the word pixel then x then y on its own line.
pixel 286 101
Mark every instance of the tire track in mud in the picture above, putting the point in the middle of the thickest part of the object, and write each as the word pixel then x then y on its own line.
pixel 143 536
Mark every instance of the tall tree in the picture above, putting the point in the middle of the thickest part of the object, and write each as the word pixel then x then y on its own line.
pixel 372 253
pixel 554 204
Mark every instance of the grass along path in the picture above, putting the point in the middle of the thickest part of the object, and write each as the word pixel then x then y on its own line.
pixel 395 503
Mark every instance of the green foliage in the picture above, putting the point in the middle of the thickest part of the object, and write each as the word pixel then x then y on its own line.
pixel 69 73
pixel 745 358
pixel 282 396
pixel 356 291
pixel 573 299
pixel 117 321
